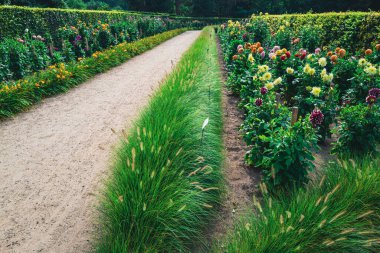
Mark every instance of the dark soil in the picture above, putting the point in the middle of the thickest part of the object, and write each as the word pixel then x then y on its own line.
pixel 241 180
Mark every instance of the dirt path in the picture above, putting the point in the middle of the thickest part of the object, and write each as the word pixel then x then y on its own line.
pixel 241 180
pixel 53 158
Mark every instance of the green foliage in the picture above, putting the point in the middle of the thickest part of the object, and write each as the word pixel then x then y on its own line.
pixel 14 20
pixel 165 183
pixel 259 29
pixel 16 96
pixel 224 8
pixel 311 37
pixel 359 132
pixel 338 212
pixel 74 41
pixel 288 158
pixel 351 30
pixel 18 58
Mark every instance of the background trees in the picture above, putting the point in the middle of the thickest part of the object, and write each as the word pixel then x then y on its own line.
pixel 226 8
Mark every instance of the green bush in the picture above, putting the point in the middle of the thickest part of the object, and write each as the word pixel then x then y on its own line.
pixel 311 37
pixel 359 132
pixel 288 158
pixel 19 60
pixel 259 30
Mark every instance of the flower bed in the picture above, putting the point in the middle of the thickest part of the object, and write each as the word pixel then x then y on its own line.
pixel 16 96
pixel 32 39
pixel 281 72
pixel 293 91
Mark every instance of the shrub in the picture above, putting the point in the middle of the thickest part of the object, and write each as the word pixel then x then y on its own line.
pixel 18 58
pixel 311 37
pixel 359 132
pixel 288 158
pixel 259 29
pixel 38 55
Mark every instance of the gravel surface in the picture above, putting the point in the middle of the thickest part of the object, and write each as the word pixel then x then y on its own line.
pixel 54 157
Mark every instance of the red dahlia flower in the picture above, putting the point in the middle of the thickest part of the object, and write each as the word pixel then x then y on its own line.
pixel 259 102
pixel 263 90
pixel 370 100
pixel 374 92
pixel 316 118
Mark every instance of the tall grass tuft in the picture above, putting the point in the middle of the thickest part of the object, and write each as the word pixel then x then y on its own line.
pixel 339 212
pixel 166 181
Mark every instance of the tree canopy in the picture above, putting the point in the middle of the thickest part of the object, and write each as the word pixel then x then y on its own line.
pixel 225 8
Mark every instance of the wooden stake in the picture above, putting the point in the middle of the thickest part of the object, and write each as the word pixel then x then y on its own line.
pixel 294 115
pixel 278 99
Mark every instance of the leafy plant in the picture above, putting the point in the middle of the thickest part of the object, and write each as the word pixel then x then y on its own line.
pixel 18 58
pixel 359 132
pixel 259 29
pixel 311 37
pixel 288 158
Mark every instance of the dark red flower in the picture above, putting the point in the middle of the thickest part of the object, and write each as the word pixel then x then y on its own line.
pixel 263 90
pixel 288 54
pixel 259 102
pixel 370 100
pixel 316 118
pixel 283 57
pixel 374 92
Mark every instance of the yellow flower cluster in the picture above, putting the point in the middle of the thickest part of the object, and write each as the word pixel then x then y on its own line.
pixel 327 78
pixel 232 24
pixel 269 86
pixel 266 77
pixel 250 58
pixel 371 70
pixel 290 71
pixel 322 62
pixel 263 68
pixel 309 70
pixel 61 71
pixel 96 54
pixel 316 91
pixel 11 87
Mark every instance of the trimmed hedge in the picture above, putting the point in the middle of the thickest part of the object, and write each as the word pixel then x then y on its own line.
pixel 352 30
pixel 14 20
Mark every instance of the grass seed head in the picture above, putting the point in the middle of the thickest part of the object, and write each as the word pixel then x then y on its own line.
pixel 337 216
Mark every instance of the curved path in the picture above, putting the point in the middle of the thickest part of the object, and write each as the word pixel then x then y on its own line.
pixel 53 157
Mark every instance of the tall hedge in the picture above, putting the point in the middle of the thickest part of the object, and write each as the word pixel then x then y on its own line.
pixel 14 20
pixel 352 30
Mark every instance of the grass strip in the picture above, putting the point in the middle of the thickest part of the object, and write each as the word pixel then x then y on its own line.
pixel 166 180
pixel 337 213
pixel 19 95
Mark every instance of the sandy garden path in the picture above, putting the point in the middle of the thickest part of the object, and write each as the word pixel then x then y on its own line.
pixel 53 157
